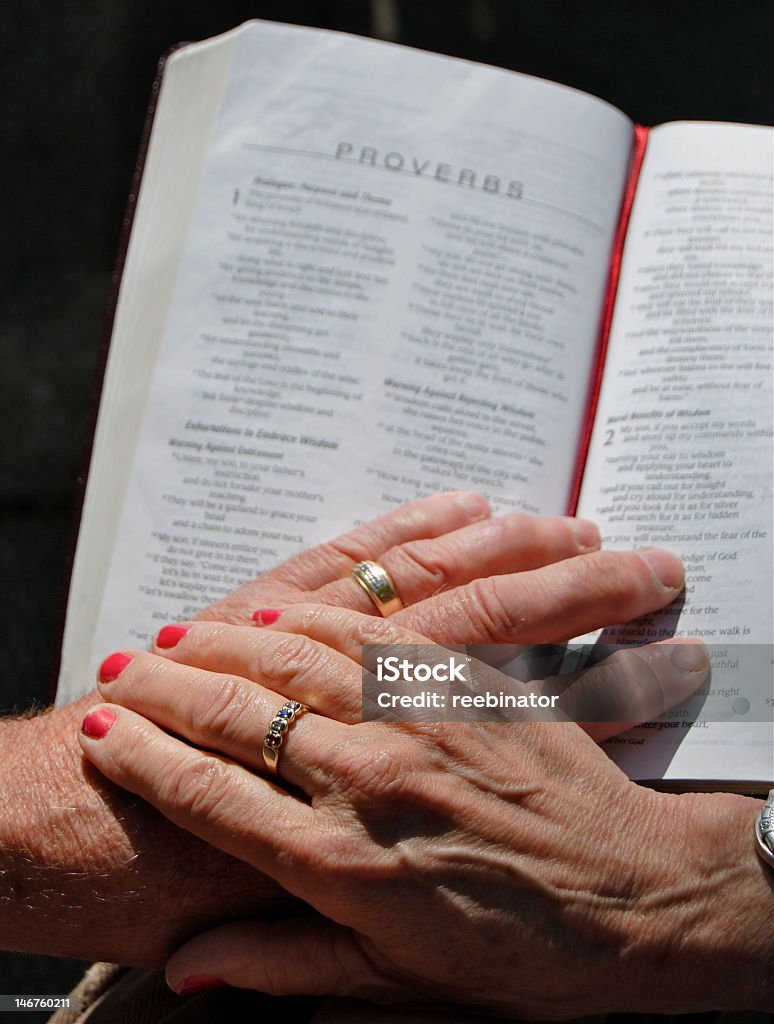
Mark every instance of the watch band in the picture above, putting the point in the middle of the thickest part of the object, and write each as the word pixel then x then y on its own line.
pixel 764 830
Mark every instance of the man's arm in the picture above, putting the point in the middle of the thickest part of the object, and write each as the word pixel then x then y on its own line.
pixel 89 870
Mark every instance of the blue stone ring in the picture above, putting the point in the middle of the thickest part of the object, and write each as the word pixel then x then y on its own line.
pixel 278 726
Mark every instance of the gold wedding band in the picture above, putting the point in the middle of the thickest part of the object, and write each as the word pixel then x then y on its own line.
pixel 278 726
pixel 377 584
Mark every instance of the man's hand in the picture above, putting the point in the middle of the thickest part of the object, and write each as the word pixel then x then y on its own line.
pixel 466 578
pixel 430 547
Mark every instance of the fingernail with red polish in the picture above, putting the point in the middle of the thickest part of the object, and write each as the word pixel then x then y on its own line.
pixel 98 723
pixel 169 636
pixel 199 983
pixel 112 667
pixel 266 616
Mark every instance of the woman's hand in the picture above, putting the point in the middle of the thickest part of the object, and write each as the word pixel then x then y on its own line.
pixel 511 866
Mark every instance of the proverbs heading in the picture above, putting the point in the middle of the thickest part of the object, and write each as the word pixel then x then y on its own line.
pixel 393 160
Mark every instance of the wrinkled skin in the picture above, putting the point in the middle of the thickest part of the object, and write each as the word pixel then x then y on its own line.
pixel 511 866
pixel 84 865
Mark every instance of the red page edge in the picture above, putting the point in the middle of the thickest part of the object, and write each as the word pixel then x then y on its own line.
pixel 595 381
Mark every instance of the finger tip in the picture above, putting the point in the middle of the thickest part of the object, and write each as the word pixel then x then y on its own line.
pixel 97 722
pixel 197 983
pixel 170 636
pixel 474 505
pixel 666 566
pixel 112 667
pixel 586 533
pixel 690 655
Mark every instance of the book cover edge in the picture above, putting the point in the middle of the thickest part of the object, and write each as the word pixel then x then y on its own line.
pixel 111 306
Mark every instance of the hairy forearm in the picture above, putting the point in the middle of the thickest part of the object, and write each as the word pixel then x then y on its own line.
pixel 91 871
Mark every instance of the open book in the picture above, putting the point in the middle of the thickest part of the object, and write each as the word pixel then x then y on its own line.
pixel 359 273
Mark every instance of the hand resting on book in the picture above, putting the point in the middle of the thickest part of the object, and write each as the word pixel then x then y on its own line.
pixel 511 865
pixel 84 866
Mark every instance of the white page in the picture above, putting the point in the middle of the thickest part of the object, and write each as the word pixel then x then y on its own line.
pixel 391 287
pixel 190 96
pixel 681 455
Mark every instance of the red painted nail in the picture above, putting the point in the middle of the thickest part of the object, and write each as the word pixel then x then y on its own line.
pixel 112 667
pixel 98 723
pixel 199 983
pixel 169 636
pixel 266 616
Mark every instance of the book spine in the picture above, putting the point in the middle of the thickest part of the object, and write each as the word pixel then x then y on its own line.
pixel 595 381
pixel 99 373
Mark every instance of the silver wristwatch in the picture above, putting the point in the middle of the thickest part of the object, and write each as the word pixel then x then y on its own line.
pixel 764 830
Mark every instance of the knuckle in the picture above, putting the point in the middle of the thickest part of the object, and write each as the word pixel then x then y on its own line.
pixel 586 580
pixel 545 539
pixel 501 531
pixel 231 609
pixel 373 630
pixel 200 789
pixel 333 852
pixel 215 705
pixel 494 616
pixel 375 773
pixel 609 696
pixel 283 657
pixel 150 671
pixel 327 852
pixel 349 547
pixel 212 611
pixel 426 563
pixel 622 574
pixel 310 617
pixel 592 698
pixel 636 682
pixel 639 577
pixel 616 584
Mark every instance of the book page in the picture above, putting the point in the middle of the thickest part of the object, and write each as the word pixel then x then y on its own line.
pixel 681 455
pixel 391 287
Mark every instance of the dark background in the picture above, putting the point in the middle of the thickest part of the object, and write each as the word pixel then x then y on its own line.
pixel 75 84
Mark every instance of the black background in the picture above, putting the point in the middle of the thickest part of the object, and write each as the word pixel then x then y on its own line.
pixel 75 83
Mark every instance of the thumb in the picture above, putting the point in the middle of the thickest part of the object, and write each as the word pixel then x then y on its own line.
pixel 301 956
